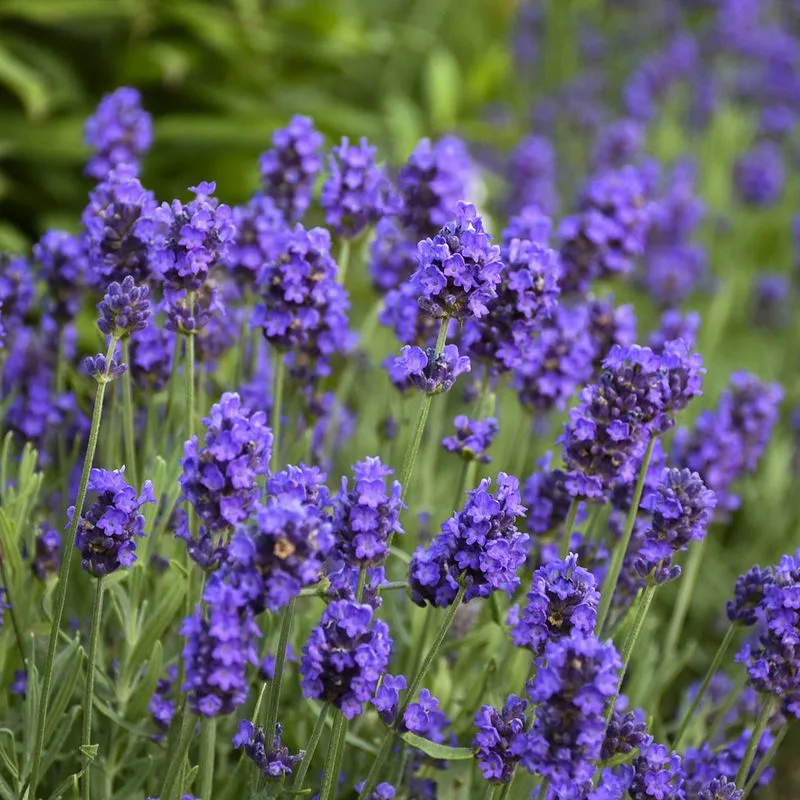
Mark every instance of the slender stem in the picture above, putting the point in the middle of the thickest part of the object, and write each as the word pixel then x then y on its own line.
pixel 330 778
pixel 506 790
pixel 190 407
pixel 171 392
pixel 377 765
pixel 311 747
pixel 688 583
pixel 721 714
pixel 752 745
pixel 362 583
pixel 271 715
pixel 277 399
pixel 615 567
pixel 491 791
pixel 422 417
pixel 712 670
pixel 544 789
pixel 766 760
pixel 63 578
pixel 88 697
pixel 208 747
pixel 127 416
pixel 343 260
pixel 569 524
pixel 175 763
pixel 638 623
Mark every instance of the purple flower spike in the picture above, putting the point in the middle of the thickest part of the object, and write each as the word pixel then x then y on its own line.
pixel 459 270
pixel 124 309
pixel 345 656
pixel 748 595
pixel 658 775
pixel 356 193
pixel 472 438
pixel 759 175
pixel 107 528
pixel 393 256
pixel 387 696
pixel 532 175
pixel 424 718
pixel 65 269
pixel 479 546
pixel 500 739
pixel 274 763
pixel 366 515
pixel 101 370
pixel 289 169
pixel 261 232
pixel 720 789
pixel 562 601
pixel 118 132
pixel 424 370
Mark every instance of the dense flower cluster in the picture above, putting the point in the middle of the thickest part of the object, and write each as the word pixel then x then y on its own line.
pixel 458 269
pixel 345 656
pixel 472 438
pixel 124 309
pixel 366 516
pixel 289 169
pixel 433 180
pixel 479 547
pixel 275 762
pixel 304 309
pixel 356 194
pixel 108 527
pixel 393 256
pixel 64 266
pixel 260 233
pixel 657 774
pixel 532 175
pixel 118 132
pixel 759 174
pixel 500 734
pixel 426 370
pixel 546 497
pixel 562 602
pixel 424 718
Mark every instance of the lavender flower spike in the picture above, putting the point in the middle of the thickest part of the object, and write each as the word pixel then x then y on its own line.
pixel 425 370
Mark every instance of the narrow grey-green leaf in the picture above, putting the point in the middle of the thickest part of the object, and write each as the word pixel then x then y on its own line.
pixel 439 751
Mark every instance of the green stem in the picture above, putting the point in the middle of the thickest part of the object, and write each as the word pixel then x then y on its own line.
pixel 544 789
pixel 688 583
pixel 491 791
pixel 638 623
pixel 330 778
pixel 422 418
pixel 190 374
pixel 271 715
pixel 377 765
pixel 88 696
pixel 752 745
pixel 208 747
pixel 344 260
pixel 569 524
pixel 311 747
pixel 172 390
pixel 721 714
pixel 766 760
pixel 63 578
pixel 277 399
pixel 712 670
pixel 127 416
pixel 506 790
pixel 175 763
pixel 615 567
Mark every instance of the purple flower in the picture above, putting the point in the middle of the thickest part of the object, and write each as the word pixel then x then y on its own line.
pixel 479 546
pixel 500 734
pixel 401 313
pixel 101 370
pixel 220 479
pixel 658 775
pixel 289 169
pixel 124 309
pixel 626 732
pixel 152 350
pixel 673 273
pixel 748 595
pixel 574 681
pixel 115 207
pixel 618 144
pixel 680 509
pixel 729 441
pixel 219 646
pixel 759 175
pixel 557 362
pixel 345 656
pixel 259 238
pixel 162 709
pixel 773 294
pixel 304 309
pixel 424 718
pixel 431 183
pixel 393 256
pixel 426 371
pixel 608 233
pixel 19 686
pixel 273 764
pixel 562 602
pixel 675 325
pixel 526 296
pixel 47 553
pixel 609 325
pixel 367 515
pixel 107 527
pixel 531 175
pixel 385 791
pixel 17 290
pixel 472 438
pixel 118 132
pixel 356 194
pixel 720 789
pixel 546 496
pixel 387 696
pixel 458 270
pixel 64 267
pixel 4 606
pixel 529 224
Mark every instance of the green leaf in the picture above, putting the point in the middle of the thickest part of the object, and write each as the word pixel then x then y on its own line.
pixel 438 751
pixel 9 758
pixel 141 770
pixel 147 686
pixel 66 671
pixel 30 710
pixel 90 750
pixel 54 747
pixel 156 625
pixel 22 80
pixel 443 89
pixel 107 711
